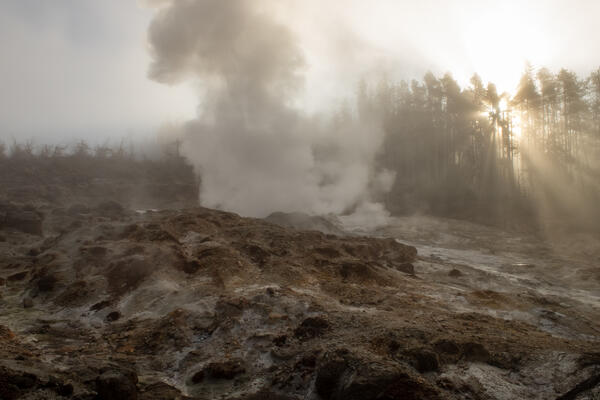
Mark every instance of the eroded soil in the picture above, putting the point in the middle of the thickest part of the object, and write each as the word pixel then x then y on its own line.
pixel 105 302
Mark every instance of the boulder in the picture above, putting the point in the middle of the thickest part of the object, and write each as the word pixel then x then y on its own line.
pixel 311 327
pixel 19 276
pixel 343 376
pixel 59 387
pixel 407 268
pixel 226 370
pixel 424 360
pixel 22 219
pixel 455 273
pixel 100 305
pixel 27 302
pixel 384 382
pixel 332 367
pixel 161 391
pixel 475 352
pixel 127 274
pixel 46 283
pixel 113 316
pixel 14 384
pixel 113 384
pixel 448 350
pixel 357 270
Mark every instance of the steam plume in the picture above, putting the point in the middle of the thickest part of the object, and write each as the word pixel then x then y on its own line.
pixel 256 151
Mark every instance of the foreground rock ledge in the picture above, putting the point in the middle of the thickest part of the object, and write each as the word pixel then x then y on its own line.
pixel 205 304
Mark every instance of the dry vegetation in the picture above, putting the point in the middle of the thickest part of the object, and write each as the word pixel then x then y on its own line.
pixel 68 175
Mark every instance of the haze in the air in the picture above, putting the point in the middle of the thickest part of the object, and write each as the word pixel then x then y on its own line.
pixel 73 68
pixel 317 106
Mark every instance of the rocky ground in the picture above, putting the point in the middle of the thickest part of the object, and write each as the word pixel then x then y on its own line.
pixel 102 301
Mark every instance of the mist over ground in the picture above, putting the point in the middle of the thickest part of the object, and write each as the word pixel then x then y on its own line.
pixel 429 146
pixel 255 150
pixel 426 177
pixel 300 106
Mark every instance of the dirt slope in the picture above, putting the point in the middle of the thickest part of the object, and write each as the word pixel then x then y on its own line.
pixel 100 301
pixel 108 303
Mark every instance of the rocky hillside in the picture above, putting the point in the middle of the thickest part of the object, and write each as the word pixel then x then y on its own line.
pixel 99 301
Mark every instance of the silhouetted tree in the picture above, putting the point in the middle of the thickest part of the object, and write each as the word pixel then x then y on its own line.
pixel 456 150
pixel 594 84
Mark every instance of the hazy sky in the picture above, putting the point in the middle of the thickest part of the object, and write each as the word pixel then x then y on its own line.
pixel 72 68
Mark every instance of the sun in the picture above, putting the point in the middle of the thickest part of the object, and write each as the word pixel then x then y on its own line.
pixel 500 40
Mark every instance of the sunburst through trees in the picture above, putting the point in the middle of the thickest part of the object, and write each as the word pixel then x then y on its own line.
pixel 472 150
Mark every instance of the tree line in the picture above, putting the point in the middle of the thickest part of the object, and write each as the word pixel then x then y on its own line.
pixel 80 163
pixel 475 153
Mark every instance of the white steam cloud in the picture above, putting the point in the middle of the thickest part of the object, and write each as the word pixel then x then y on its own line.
pixel 255 149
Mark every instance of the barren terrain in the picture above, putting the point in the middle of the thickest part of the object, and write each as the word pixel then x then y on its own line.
pixel 107 300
